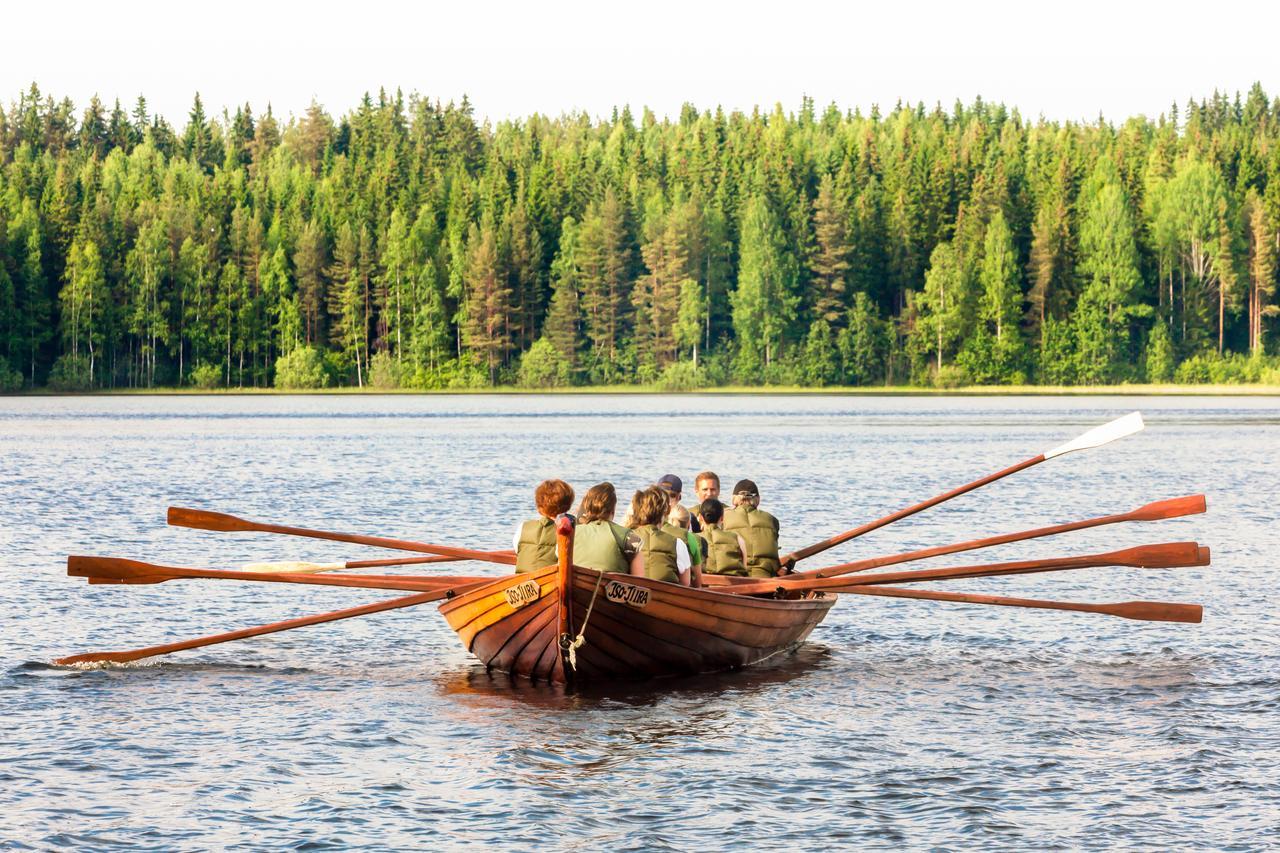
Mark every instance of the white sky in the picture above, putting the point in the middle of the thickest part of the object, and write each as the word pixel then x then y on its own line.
pixel 1061 59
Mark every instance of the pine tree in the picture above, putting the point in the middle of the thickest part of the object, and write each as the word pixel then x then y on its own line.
pixel 1262 266
pixel 603 263
pixel 764 304
pixel 487 333
pixel 830 262
pixel 563 326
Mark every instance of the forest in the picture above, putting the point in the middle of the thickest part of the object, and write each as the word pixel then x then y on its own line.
pixel 405 244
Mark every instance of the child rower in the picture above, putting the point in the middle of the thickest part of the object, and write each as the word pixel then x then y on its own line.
pixel 663 557
pixel 599 543
pixel 535 540
pixel 725 549
pixel 678 522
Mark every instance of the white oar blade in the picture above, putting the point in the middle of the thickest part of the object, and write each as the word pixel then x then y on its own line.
pixel 1098 436
pixel 293 567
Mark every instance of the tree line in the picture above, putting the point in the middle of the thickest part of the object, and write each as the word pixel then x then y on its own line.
pixel 406 244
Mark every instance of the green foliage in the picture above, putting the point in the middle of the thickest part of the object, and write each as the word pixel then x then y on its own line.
pixel 10 379
pixel 683 376
pixel 302 369
pixel 70 373
pixel 1160 357
pixel 206 376
pixel 384 371
pixel 543 366
pixel 408 245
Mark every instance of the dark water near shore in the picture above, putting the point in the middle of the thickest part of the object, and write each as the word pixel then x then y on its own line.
pixel 900 724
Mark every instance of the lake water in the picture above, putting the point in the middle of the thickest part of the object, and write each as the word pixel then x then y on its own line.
pixel 899 724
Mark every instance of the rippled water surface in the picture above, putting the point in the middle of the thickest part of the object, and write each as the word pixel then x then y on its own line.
pixel 901 723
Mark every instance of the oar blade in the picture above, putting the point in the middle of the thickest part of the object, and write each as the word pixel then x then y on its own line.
pixel 293 567
pixel 203 519
pixel 1100 435
pixel 1168 555
pixel 1158 611
pixel 1171 508
pixel 115 570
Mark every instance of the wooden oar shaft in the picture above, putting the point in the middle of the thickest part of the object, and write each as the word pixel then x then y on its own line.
pixel 113 570
pixel 207 520
pixel 167 648
pixel 410 561
pixel 1149 611
pixel 826 544
pixel 1167 555
pixel 1173 508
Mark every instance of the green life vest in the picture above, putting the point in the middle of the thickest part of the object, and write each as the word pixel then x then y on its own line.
pixel 537 545
pixel 724 557
pixel 759 530
pixel 599 545
pixel 659 550
pixel 690 541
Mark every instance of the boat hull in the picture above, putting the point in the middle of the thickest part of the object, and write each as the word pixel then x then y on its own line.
pixel 629 627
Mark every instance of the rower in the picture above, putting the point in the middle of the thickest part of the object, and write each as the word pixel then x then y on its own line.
pixel 663 557
pixel 758 529
pixel 677 525
pixel 706 486
pixel 724 549
pixel 535 540
pixel 599 543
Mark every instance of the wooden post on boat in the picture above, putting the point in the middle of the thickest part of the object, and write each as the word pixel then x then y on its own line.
pixel 564 579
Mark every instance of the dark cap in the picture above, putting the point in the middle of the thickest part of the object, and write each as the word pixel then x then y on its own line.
pixel 671 483
pixel 746 487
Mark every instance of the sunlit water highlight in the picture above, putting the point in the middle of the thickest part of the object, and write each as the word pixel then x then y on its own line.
pixel 900 724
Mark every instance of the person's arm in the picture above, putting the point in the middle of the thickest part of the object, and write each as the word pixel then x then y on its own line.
pixel 631 554
pixel 515 538
pixel 684 564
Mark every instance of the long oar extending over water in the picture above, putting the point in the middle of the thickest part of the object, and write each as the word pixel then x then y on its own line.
pixel 364 610
pixel 113 570
pixel 1164 556
pixel 1159 510
pixel 296 566
pixel 1096 437
pixel 1147 611
pixel 200 519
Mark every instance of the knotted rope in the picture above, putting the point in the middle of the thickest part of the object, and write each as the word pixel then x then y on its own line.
pixel 580 640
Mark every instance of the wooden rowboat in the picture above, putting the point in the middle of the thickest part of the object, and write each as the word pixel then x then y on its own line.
pixel 565 623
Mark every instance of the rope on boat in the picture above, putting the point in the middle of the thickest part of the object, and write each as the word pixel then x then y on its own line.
pixel 581 640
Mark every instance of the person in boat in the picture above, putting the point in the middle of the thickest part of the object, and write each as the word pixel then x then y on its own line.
pixel 678 522
pixel 535 540
pixel 706 486
pixel 599 543
pixel 663 556
pixel 758 529
pixel 725 549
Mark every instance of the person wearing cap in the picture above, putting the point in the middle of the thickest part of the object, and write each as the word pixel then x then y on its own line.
pixel 758 529
pixel 535 540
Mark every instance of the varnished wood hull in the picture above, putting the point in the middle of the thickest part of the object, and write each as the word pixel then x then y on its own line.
pixel 678 631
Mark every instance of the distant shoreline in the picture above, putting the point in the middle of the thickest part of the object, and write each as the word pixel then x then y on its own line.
pixel 1143 390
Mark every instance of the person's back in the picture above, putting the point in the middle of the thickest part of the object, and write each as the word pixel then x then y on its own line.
pixel 598 543
pixel 535 539
pixel 661 557
pixel 758 529
pixel 725 549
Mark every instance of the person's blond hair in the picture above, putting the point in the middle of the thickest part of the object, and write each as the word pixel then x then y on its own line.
pixel 648 507
pixel 679 516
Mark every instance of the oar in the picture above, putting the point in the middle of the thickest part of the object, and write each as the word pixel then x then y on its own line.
pixel 1172 508
pixel 295 566
pixel 1147 611
pixel 200 519
pixel 116 570
pixel 1096 437
pixel 364 610
pixel 1164 556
